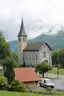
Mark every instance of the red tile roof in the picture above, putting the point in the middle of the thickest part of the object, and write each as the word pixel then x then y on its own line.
pixel 26 74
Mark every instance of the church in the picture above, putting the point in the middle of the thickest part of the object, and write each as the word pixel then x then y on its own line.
pixel 31 54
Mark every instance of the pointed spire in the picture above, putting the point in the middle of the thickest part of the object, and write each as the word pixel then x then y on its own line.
pixel 22 30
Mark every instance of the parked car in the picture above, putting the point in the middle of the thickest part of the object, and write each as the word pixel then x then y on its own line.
pixel 44 82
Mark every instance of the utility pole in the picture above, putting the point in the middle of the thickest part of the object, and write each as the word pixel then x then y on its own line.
pixel 58 66
pixel 57 72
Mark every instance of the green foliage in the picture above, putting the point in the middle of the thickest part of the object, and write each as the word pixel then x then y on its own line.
pixel 58 57
pixel 8 59
pixel 17 86
pixel 6 52
pixel 4 47
pixel 43 67
pixel 15 59
pixel 61 57
pixel 9 71
pixel 48 88
pixel 54 71
pixel 55 55
pixel 3 82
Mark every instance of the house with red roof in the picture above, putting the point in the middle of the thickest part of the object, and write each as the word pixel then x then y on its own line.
pixel 28 76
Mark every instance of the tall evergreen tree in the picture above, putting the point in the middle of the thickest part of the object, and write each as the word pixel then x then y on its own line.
pixel 7 59
pixel 4 47
pixel 9 71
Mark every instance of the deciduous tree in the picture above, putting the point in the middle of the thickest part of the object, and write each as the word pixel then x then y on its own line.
pixel 42 68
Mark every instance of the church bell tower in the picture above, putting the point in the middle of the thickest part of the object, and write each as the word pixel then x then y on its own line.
pixel 22 42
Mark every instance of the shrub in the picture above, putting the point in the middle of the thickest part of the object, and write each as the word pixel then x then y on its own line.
pixel 8 87
pixel 17 86
pixel 48 88
pixel 3 82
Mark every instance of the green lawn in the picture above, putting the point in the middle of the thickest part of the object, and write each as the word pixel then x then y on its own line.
pixel 5 93
pixel 54 71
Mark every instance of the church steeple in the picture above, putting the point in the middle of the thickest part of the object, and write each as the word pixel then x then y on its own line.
pixel 22 42
pixel 22 30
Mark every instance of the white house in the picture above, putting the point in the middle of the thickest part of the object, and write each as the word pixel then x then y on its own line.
pixel 32 53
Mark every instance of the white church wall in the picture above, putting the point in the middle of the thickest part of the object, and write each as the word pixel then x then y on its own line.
pixel 34 57
pixel 31 57
pixel 48 54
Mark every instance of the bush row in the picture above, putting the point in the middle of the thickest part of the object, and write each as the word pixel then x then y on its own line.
pixel 14 86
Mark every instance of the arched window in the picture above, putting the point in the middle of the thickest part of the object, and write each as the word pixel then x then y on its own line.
pixel 44 54
pixel 46 61
pixel 24 39
pixel 19 38
pixel 29 56
pixel 36 57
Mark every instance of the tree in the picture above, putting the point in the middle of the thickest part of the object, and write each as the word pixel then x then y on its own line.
pixel 4 47
pixel 9 71
pixel 58 57
pixel 55 57
pixel 61 57
pixel 3 82
pixel 43 67
pixel 15 59
pixel 7 59
pixel 6 52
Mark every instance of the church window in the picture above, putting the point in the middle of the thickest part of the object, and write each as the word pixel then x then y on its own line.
pixel 36 57
pixel 24 39
pixel 25 57
pixel 32 57
pixel 44 54
pixel 29 56
pixel 46 61
pixel 19 38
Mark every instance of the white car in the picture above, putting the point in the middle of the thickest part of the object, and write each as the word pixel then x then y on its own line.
pixel 44 82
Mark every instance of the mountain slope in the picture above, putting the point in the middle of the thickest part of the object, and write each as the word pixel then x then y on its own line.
pixel 55 41
pixel 14 45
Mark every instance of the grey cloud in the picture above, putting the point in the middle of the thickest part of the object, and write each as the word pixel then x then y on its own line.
pixel 49 11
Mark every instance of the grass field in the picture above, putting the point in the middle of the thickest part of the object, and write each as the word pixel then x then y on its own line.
pixel 54 71
pixel 5 93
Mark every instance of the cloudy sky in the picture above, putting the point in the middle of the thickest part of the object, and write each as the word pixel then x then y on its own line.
pixel 50 12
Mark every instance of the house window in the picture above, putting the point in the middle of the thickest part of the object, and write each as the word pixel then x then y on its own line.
pixel 44 54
